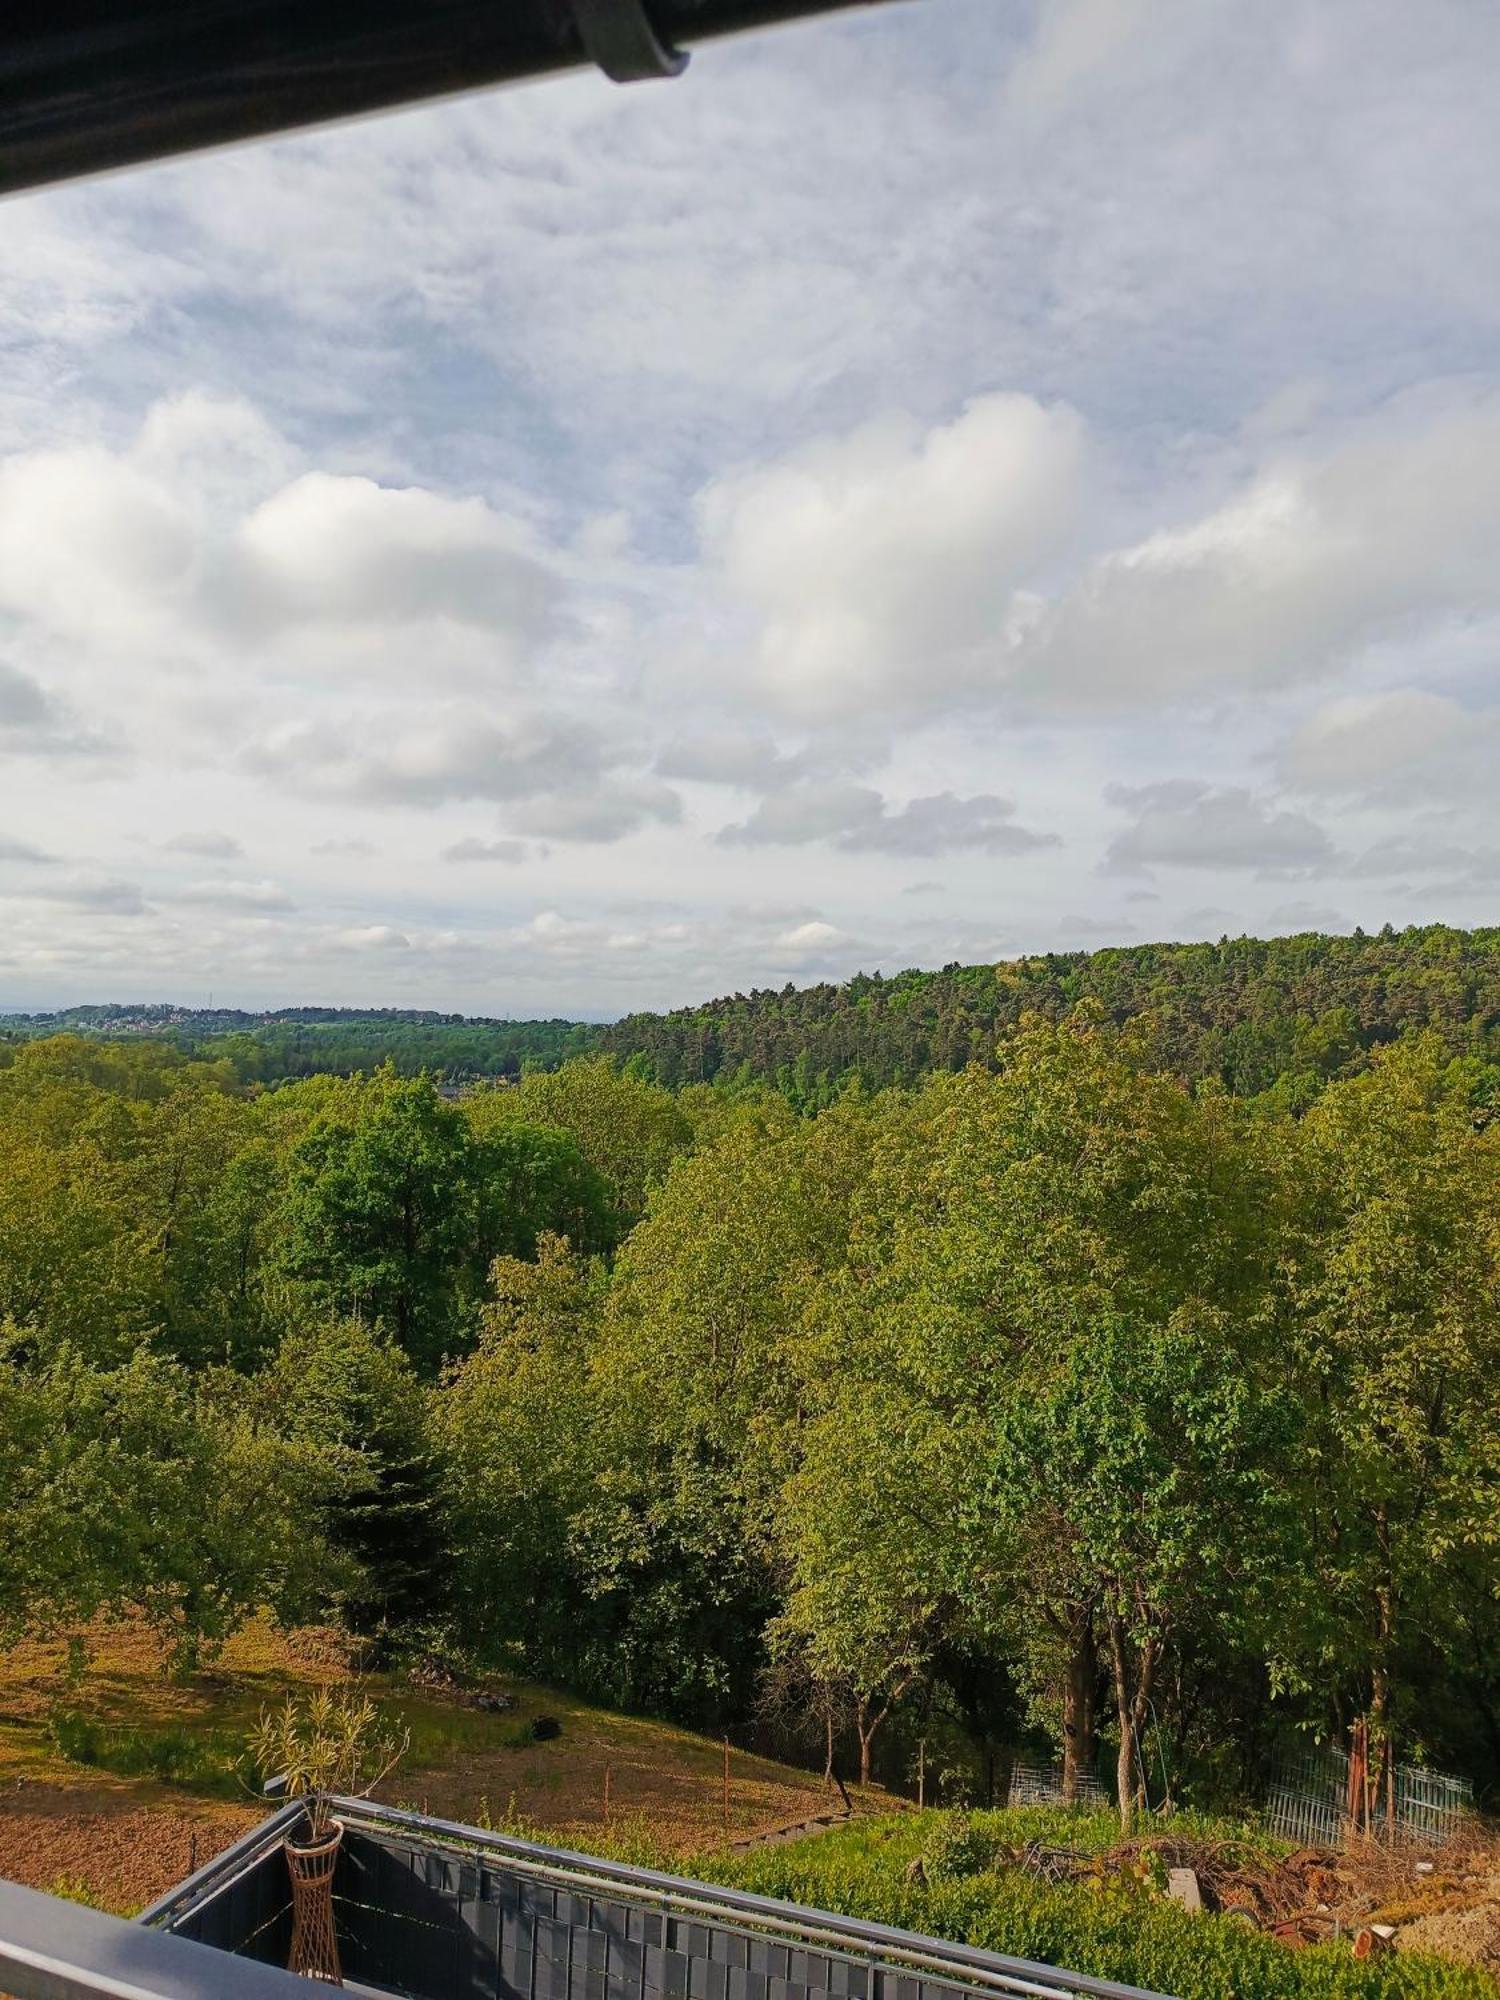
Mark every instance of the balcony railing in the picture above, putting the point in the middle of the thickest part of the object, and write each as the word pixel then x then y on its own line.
pixel 437 1911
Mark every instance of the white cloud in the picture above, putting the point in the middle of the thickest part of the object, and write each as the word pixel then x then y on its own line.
pixel 370 937
pixel 515 462
pixel 1391 528
pixel 346 550
pixel 883 565
pixel 806 945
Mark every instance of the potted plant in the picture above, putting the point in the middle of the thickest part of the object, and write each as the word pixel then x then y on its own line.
pixel 330 1741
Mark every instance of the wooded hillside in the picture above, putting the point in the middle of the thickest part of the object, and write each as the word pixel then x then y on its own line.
pixel 1245 1011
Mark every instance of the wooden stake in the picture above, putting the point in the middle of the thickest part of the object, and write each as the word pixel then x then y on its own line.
pixel 922 1771
pixel 726 1781
pixel 608 1774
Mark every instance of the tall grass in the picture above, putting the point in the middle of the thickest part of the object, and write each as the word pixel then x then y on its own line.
pixel 200 1760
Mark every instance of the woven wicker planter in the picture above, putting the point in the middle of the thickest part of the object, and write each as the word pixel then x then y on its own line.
pixel 315 1944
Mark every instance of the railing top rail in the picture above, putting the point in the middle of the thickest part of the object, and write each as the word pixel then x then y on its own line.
pixel 265 1835
pixel 964 1964
pixel 55 1950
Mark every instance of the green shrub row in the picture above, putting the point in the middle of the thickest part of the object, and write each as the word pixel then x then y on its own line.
pixel 1125 1934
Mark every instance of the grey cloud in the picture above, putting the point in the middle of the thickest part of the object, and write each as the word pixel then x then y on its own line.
pixel 1402 854
pixel 1308 917
pixel 209 846
pixel 1401 746
pixel 102 895
pixel 858 820
pixel 23 850
pixel 727 757
pixel 23 704
pixel 1182 824
pixel 32 722
pixel 234 895
pixel 472 849
pixel 604 812
pixel 416 761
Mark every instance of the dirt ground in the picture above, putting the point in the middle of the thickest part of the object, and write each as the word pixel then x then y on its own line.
pixel 118 1846
pixel 121 1842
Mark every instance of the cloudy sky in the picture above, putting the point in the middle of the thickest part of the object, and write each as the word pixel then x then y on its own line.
pixel 956 480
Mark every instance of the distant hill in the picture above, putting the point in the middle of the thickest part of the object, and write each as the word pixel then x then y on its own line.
pixel 1249 1012
pixel 304 1041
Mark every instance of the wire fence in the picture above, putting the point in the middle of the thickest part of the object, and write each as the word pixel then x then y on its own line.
pixel 1307 1801
pixel 1041 1785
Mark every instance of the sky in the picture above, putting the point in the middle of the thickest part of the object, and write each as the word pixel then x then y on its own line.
pixel 949 481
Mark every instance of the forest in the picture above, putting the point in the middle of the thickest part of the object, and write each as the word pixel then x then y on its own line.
pixel 1252 1013
pixel 1064 1399
pixel 317 1041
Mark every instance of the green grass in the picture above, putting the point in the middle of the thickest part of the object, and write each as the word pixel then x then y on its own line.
pixel 1128 1932
pixel 207 1761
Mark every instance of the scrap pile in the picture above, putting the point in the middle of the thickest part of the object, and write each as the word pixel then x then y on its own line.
pixel 1377 1897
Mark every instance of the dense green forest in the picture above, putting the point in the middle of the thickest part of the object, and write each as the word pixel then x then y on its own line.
pixel 324 1041
pixel 1249 1012
pixel 1054 1399
pixel 1253 1014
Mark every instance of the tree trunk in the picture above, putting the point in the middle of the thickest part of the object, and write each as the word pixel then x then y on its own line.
pixel 1133 1668
pixel 1382 1731
pixel 1080 1700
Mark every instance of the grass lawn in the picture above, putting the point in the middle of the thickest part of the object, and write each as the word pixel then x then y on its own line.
pixel 110 1787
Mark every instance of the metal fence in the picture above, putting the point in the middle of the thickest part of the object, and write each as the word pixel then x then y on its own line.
pixel 1307 1801
pixel 1041 1785
pixel 438 1911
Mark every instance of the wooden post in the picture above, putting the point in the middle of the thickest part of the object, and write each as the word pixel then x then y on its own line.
pixel 726 1781
pixel 921 1771
pixel 608 1774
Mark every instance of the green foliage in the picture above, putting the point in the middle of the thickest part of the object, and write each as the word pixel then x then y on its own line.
pixel 1252 1014
pixel 203 1761
pixel 349 1391
pixel 331 1740
pixel 1128 1933
pixel 1130 1382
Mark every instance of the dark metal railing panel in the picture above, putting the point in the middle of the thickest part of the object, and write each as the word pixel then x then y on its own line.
pixel 56 1950
pixel 440 1911
pixel 902 1965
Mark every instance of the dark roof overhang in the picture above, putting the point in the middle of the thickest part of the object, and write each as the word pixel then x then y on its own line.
pixel 90 85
